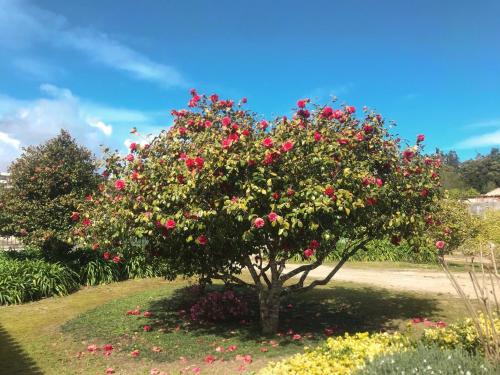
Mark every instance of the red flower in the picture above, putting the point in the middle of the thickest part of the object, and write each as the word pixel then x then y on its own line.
pixel 259 223
pixel 110 370
pixel 134 176
pixel 287 146
pixel 290 192
pixel 408 154
pixel 87 222
pixel 75 216
pixel 117 259
pixel 130 157
pixel 417 320
pixel 147 328
pixel 343 141
pixel 327 112
pixel 268 158
pixel 133 146
pixel 267 142
pixel 371 201
pixel 170 224
pixel 273 216
pixel 95 246
pixel 135 353
pixel 441 324
pixel 424 193
pixel 440 245
pixel 302 103
pixel 119 184
pixel 296 337
pixel 350 109
pixel 367 128
pixel 106 255
pixel 208 123
pixel 308 253
pixel 317 136
pixel 244 100
pixel 360 137
pixel 226 121
pixel 202 240
pixel 107 347
pixel 231 348
pixel 379 182
pixel 247 359
pixel 199 162
pixel 209 359
pixel 182 130
pixel 92 348
pixel 314 244
pixel 329 331
pixel 246 132
pixel 263 124
pixel 214 98
pixel 329 191
pixel 420 138
pixel 276 195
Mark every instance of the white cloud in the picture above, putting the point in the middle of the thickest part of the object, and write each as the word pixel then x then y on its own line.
pixel 106 129
pixel 23 25
pixel 484 140
pixel 494 123
pixel 29 122
pixel 9 141
pixel 323 93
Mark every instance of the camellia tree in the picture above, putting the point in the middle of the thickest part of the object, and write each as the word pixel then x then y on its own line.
pixel 222 191
pixel 46 184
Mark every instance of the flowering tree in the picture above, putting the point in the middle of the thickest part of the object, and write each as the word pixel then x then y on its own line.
pixel 222 191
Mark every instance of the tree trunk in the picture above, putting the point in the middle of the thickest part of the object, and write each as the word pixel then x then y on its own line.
pixel 269 311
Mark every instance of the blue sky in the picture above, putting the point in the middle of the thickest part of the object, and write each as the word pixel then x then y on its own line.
pixel 98 68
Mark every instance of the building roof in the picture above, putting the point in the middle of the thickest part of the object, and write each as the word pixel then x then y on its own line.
pixel 493 193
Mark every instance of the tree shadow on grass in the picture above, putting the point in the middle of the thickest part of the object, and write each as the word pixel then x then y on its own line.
pixel 13 359
pixel 314 314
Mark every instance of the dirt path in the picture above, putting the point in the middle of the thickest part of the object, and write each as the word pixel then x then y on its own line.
pixel 398 279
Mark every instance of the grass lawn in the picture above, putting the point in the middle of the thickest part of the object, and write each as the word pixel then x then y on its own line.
pixel 44 337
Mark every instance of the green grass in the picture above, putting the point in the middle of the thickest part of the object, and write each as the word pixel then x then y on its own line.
pixel 46 335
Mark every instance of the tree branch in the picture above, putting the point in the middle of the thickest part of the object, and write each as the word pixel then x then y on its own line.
pixel 302 268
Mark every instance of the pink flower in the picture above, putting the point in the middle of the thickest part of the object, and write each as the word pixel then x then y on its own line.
pixel 92 348
pixel 379 182
pixel 130 157
pixel 267 142
pixel 314 244
pixel 296 337
pixel 327 112
pixel 154 371
pixel 247 359
pixel 199 162
pixel 424 192
pixel 135 353
pixel 343 141
pixel 86 222
pixel 107 347
pixel 417 320
pixel 226 121
pixel 133 146
pixel 106 255
pixel 317 136
pixel 350 109
pixel 196 370
pixel 147 314
pixel 202 240
pixel 110 370
pixel 170 224
pixel 214 98
pixel 441 324
pixel 75 216
pixel 219 349
pixel 367 128
pixel 273 216
pixel 119 184
pixel 259 223
pixel 231 348
pixel 147 328
pixel 420 138
pixel 287 146
pixel 116 259
pixel 302 103
pixel 308 253
pixel 244 100
pixel 263 124
pixel 440 245
pixel 209 359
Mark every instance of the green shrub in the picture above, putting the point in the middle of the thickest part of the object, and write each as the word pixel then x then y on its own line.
pixel 30 280
pixel 428 360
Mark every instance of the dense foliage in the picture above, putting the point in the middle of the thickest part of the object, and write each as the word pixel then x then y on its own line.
pixel 46 184
pixel 223 190
pixel 469 178
pixel 29 280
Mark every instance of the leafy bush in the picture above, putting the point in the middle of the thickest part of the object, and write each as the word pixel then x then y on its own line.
pixel 461 335
pixel 29 280
pixel 339 355
pixel 428 360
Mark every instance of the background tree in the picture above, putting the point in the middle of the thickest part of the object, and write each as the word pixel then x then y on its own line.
pixel 222 191
pixel 483 173
pixel 46 184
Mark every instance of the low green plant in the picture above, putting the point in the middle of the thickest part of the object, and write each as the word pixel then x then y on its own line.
pixel 30 280
pixel 428 360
